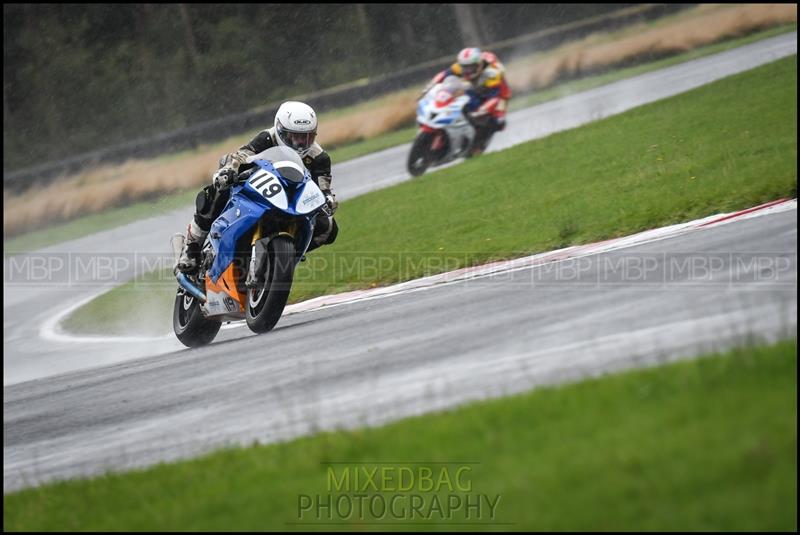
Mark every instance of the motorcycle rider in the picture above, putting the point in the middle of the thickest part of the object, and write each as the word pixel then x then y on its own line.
pixel 490 91
pixel 295 126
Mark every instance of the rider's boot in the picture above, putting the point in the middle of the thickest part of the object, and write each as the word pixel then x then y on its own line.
pixel 482 137
pixel 189 260
pixel 325 233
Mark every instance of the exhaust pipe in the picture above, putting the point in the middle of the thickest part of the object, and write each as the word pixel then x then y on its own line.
pixel 189 287
pixel 177 242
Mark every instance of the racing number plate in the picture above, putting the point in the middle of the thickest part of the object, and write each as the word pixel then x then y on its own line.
pixel 266 184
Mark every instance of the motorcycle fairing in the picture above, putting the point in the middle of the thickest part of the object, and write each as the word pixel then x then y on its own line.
pixel 248 205
pixel 240 215
pixel 223 296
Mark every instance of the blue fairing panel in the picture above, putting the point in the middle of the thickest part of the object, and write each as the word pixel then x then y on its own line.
pixel 230 227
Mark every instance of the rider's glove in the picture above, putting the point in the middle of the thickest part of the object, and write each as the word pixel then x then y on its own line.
pixel 330 198
pixel 224 178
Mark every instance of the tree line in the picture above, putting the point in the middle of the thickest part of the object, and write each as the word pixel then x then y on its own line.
pixel 78 77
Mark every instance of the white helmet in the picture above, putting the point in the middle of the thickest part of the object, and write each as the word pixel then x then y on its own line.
pixel 296 126
pixel 470 61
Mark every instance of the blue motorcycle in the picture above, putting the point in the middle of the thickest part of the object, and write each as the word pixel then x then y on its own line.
pixel 249 257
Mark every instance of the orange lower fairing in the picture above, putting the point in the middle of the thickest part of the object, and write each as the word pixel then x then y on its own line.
pixel 226 283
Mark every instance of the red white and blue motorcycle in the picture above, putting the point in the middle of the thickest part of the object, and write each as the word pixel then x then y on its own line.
pixel 445 131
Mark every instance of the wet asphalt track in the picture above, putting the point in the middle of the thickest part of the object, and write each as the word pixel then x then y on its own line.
pixel 375 361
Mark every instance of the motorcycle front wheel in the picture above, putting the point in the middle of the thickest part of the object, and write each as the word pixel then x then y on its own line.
pixel 265 302
pixel 419 157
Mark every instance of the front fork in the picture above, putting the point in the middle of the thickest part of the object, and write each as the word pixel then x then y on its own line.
pixel 255 259
pixel 259 255
pixel 438 137
pixel 438 142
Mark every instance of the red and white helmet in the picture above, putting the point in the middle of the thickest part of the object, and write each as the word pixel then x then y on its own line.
pixel 296 126
pixel 470 61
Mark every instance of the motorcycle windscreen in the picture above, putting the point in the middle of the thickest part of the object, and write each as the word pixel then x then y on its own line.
pixel 278 154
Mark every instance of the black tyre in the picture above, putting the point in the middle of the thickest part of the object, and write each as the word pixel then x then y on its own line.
pixel 265 302
pixel 420 155
pixel 191 327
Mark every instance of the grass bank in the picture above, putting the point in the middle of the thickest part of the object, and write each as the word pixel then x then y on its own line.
pixel 708 444
pixel 722 147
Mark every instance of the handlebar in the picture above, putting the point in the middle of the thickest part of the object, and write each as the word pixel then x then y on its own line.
pixel 244 175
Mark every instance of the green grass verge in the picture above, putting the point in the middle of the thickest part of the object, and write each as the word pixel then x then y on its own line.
pixel 722 147
pixel 707 444
pixel 120 216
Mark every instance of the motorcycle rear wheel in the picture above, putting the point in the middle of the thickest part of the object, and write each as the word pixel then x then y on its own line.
pixel 190 326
